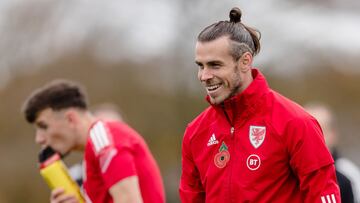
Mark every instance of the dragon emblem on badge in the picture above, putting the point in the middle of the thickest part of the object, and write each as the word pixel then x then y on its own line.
pixel 257 135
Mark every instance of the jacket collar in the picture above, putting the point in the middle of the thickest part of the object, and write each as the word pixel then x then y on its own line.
pixel 246 101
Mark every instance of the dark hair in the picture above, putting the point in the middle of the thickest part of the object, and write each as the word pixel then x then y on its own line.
pixel 243 38
pixel 57 95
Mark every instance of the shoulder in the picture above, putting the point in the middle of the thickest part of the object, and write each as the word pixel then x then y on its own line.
pixel 100 136
pixel 287 110
pixel 287 107
pixel 106 134
pixel 285 114
pixel 200 123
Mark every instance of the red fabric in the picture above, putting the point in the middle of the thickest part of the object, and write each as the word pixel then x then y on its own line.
pixel 125 155
pixel 290 163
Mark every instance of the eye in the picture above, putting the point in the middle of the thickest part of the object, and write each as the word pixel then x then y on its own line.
pixel 42 126
pixel 215 66
pixel 200 65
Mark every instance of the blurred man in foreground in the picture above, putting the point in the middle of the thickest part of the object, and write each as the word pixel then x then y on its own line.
pixel 106 112
pixel 348 173
pixel 118 164
pixel 252 144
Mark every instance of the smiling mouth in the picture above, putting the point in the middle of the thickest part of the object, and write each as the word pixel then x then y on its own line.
pixel 212 88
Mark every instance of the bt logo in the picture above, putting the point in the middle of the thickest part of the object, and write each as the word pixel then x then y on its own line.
pixel 253 162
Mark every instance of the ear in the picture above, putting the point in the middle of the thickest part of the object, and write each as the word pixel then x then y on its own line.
pixel 71 116
pixel 245 62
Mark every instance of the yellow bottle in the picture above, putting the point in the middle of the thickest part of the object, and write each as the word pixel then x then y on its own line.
pixel 55 173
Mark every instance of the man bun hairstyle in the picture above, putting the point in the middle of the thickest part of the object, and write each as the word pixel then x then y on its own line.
pixel 235 15
pixel 243 38
pixel 57 95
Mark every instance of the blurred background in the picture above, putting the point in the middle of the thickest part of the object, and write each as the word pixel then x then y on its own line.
pixel 140 55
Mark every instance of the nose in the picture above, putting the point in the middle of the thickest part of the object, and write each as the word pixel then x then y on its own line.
pixel 205 74
pixel 40 138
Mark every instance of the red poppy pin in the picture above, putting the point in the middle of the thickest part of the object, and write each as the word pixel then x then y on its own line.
pixel 222 157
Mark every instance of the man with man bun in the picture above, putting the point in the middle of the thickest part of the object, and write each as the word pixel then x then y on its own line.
pixel 251 144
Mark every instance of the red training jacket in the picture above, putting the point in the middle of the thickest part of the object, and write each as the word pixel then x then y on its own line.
pixel 115 151
pixel 257 146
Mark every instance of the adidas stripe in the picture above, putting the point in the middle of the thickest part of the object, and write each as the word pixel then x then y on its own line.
pixel 328 199
pixel 99 136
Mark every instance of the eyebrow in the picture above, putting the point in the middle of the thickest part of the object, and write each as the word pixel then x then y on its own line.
pixel 215 63
pixel 210 63
pixel 40 124
pixel 198 63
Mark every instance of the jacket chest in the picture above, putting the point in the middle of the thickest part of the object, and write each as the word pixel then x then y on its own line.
pixel 247 149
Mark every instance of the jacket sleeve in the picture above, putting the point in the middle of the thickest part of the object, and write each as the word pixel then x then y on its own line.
pixel 312 162
pixel 320 186
pixel 191 189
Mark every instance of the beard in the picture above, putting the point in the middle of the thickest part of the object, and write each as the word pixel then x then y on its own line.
pixel 237 83
pixel 233 87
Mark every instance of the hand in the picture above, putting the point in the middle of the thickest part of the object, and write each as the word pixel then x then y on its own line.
pixel 58 196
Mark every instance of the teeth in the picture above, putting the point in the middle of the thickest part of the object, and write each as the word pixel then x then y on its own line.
pixel 212 87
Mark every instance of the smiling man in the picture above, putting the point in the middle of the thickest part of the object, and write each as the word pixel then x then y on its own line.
pixel 251 144
pixel 118 165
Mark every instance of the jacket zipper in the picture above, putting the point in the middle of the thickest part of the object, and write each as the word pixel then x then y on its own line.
pixel 232 131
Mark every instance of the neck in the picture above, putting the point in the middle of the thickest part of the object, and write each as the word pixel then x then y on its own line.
pixel 85 123
pixel 246 81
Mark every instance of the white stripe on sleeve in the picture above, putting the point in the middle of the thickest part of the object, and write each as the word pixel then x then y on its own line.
pixel 99 136
pixel 333 198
